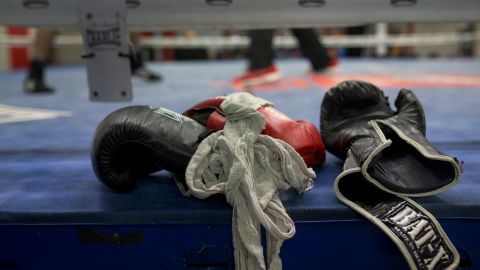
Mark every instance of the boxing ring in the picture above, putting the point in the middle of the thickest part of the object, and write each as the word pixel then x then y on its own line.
pixel 104 25
pixel 243 14
pixel 55 214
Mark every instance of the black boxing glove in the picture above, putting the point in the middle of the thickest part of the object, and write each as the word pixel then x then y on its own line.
pixel 390 147
pixel 138 140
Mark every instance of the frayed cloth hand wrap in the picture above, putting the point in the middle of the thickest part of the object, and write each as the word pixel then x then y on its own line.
pixel 249 168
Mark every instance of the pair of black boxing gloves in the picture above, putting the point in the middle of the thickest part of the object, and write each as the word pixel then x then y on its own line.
pixel 357 124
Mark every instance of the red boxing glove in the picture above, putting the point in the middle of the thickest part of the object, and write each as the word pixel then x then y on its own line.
pixel 302 135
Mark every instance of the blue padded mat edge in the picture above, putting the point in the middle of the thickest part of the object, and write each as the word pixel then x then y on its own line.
pixel 46 175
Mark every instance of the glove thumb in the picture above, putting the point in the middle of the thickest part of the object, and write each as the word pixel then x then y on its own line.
pixel 410 109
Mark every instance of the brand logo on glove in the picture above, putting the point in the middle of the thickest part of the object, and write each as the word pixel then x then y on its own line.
pixel 311 3
pixel 418 233
pixel 36 4
pixel 104 37
pixel 167 113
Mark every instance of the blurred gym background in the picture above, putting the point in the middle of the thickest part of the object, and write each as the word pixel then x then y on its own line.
pixel 380 40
